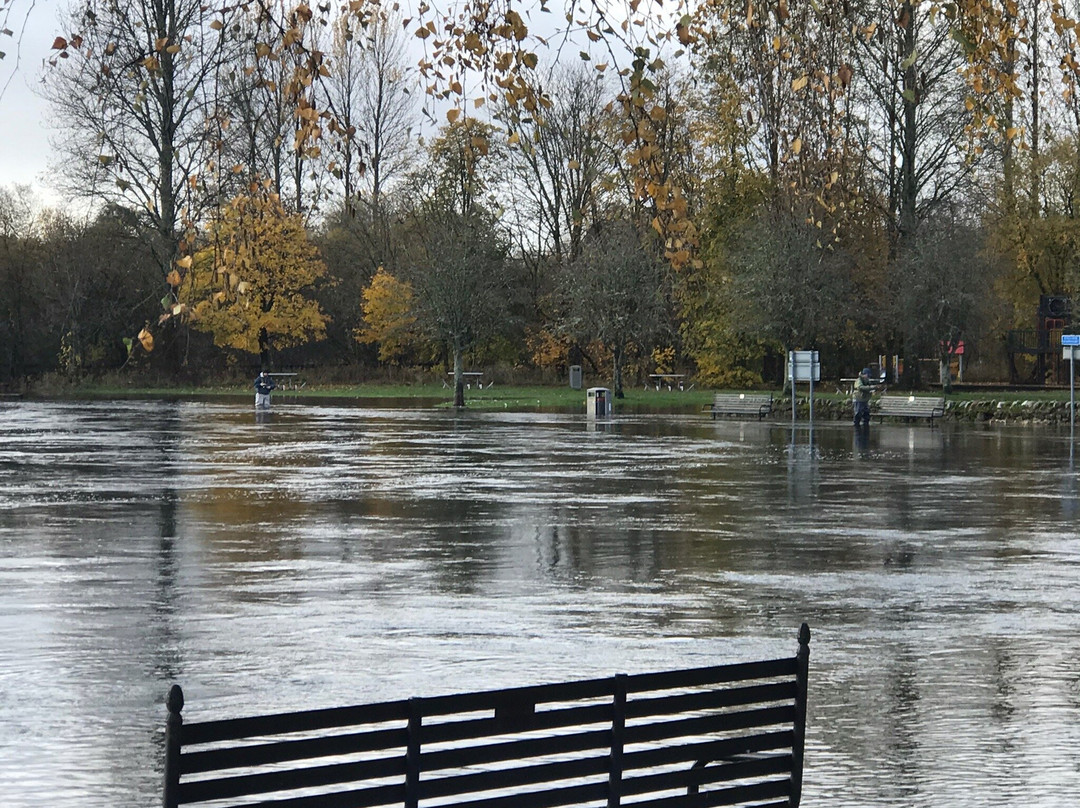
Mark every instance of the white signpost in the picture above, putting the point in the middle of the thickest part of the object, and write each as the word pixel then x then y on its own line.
pixel 1070 343
pixel 803 366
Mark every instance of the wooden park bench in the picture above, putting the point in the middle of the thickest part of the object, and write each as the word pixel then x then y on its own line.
pixel 759 404
pixel 722 735
pixel 930 407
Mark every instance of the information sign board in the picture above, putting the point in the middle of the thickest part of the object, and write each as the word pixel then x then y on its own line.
pixel 803 366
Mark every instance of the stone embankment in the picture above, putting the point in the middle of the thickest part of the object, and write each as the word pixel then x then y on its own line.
pixel 965 411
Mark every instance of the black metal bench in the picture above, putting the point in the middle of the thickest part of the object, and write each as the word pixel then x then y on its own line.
pixel 722 735
pixel 930 407
pixel 759 404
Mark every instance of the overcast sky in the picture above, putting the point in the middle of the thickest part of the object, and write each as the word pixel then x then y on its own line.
pixel 24 138
pixel 25 153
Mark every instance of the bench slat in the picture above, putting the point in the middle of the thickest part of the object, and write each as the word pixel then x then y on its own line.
pixel 733 795
pixel 249 755
pixel 548 798
pixel 359 798
pixel 521 749
pixel 712 675
pixel 719 772
pixel 731 697
pixel 514 777
pixel 291 779
pixel 486 727
pixel 724 722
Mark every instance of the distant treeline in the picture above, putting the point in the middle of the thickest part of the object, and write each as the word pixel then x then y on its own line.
pixel 862 188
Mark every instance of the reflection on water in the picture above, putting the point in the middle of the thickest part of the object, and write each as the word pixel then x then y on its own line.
pixel 324 555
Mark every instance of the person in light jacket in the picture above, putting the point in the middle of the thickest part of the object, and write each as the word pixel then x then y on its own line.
pixel 860 396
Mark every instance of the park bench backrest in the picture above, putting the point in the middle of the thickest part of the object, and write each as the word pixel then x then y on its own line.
pixel 721 735
pixel 759 404
pixel 912 406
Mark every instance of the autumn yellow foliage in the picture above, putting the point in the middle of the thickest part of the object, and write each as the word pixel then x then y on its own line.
pixel 250 287
pixel 389 321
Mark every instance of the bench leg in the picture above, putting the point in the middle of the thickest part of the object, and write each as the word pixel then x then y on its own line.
pixel 692 786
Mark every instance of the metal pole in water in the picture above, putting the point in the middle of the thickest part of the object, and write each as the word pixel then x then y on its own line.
pixel 1069 343
pixel 791 371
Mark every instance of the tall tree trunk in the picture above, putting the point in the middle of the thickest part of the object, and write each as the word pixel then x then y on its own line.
pixel 459 379
pixel 908 179
pixel 617 360
pixel 264 349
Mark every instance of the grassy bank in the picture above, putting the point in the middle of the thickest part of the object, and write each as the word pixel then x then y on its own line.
pixel 495 397
pixel 511 397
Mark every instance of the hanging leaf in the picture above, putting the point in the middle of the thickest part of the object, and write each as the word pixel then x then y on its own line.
pixel 173 278
pixel 682 30
pixel 965 41
pixel 799 83
pixel 146 339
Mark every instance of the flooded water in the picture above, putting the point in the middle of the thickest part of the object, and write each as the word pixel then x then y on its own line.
pixel 326 555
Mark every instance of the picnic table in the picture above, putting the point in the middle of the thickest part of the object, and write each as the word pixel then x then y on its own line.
pixel 669 380
pixel 289 381
pixel 847 386
pixel 471 377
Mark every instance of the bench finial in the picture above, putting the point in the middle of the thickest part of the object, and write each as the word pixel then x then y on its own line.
pixel 174 725
pixel 175 700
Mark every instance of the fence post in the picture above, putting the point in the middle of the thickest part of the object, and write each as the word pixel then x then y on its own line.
pixel 174 725
pixel 618 726
pixel 412 755
pixel 802 673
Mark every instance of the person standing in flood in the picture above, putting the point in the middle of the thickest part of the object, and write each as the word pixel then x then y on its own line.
pixel 264 385
pixel 860 396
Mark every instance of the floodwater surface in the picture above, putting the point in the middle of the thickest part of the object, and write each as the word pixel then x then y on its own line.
pixel 326 555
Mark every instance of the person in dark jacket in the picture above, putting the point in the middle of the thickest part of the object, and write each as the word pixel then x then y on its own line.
pixel 264 384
